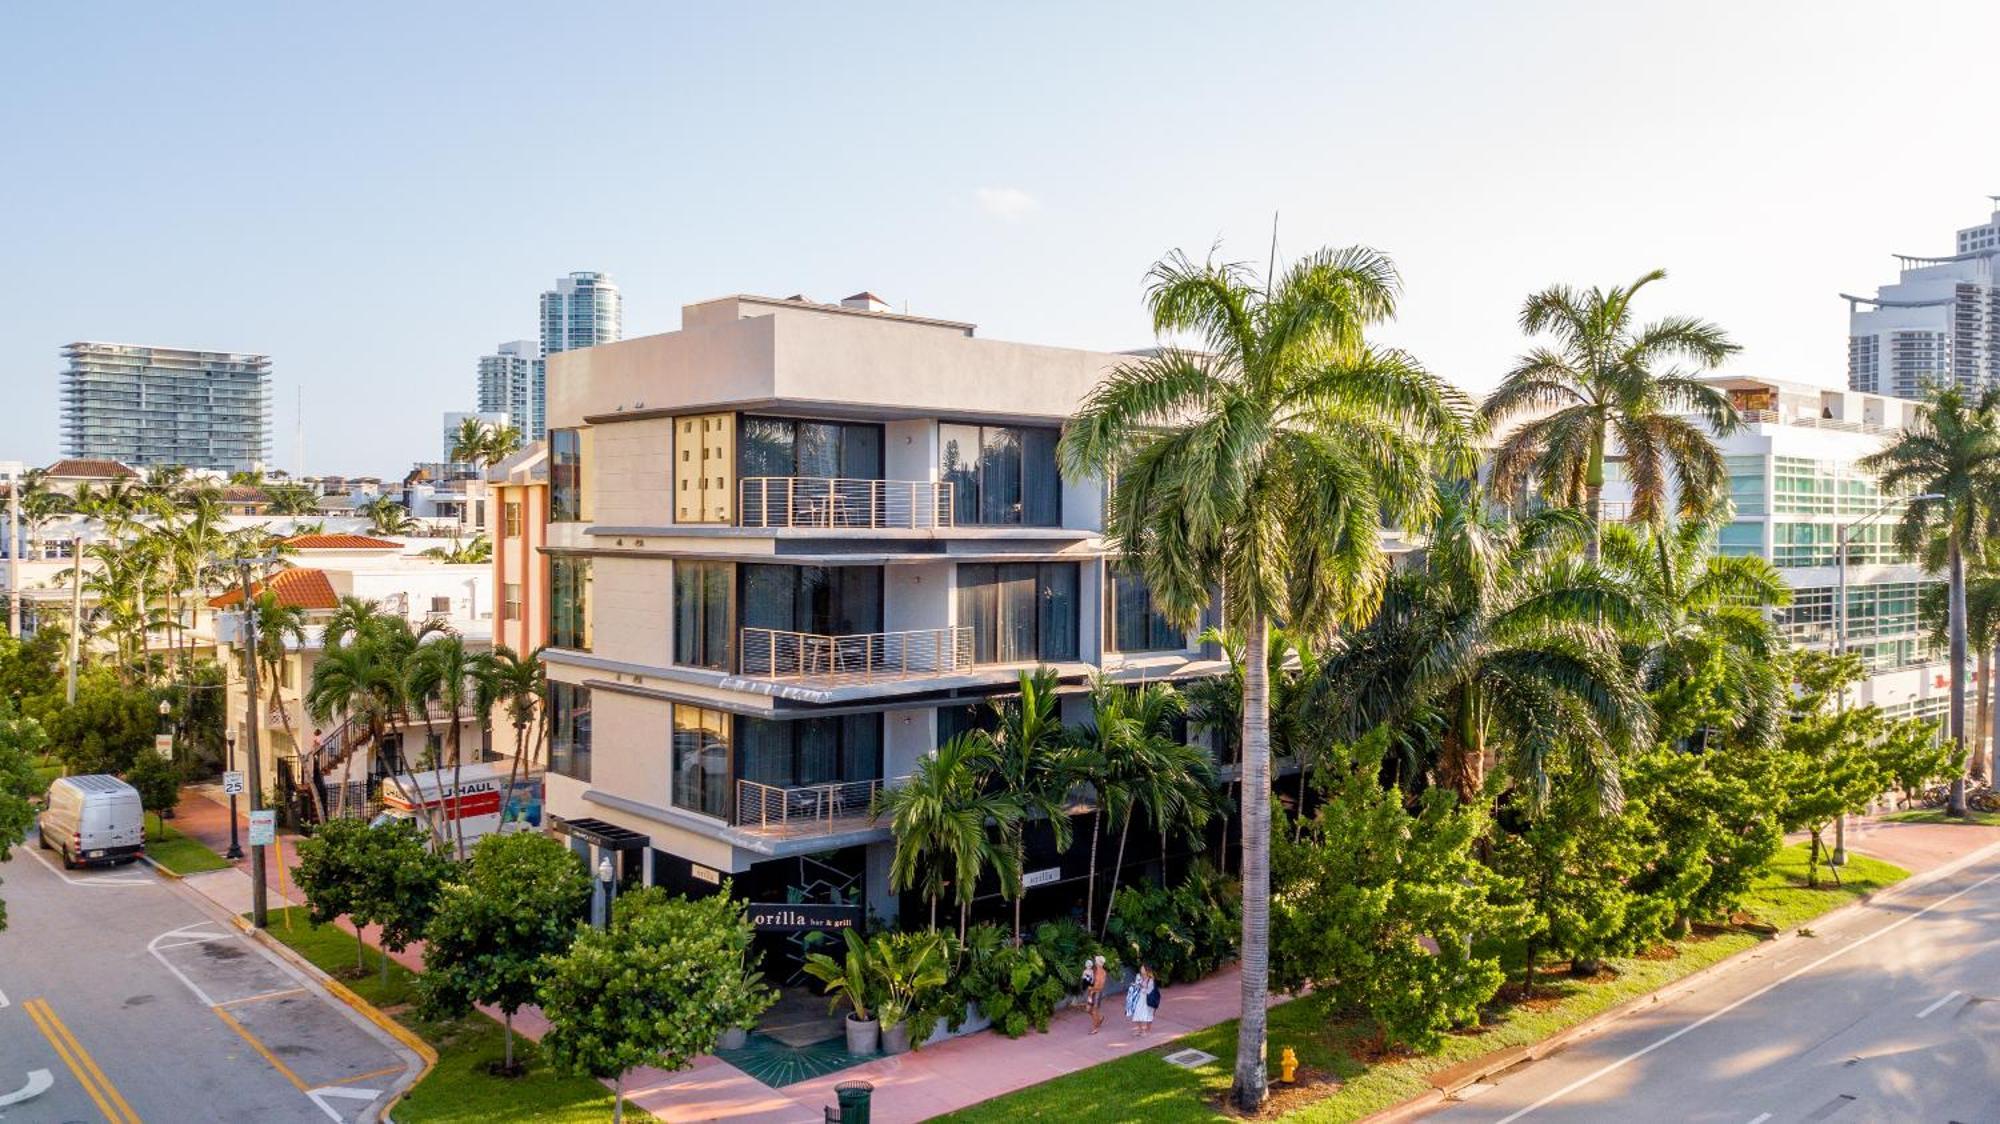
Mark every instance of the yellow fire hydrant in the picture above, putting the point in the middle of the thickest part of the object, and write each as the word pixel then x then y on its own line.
pixel 1288 1066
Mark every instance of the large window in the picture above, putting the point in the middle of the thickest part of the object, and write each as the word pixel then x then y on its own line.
pixel 788 447
pixel 701 760
pixel 565 476
pixel 1133 623
pixel 510 519
pixel 1001 474
pixel 701 615
pixel 824 600
pixel 569 602
pixel 1019 612
pixel 809 751
pixel 510 601
pixel 569 731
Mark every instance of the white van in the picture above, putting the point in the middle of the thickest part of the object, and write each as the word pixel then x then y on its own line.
pixel 93 819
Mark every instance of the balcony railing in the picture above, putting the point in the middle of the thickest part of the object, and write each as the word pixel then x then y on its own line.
pixel 814 809
pixel 837 505
pixel 860 658
pixel 1773 417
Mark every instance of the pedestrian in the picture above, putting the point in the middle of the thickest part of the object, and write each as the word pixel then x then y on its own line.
pixel 1093 992
pixel 1142 999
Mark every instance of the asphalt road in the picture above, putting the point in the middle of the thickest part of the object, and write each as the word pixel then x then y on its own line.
pixel 1890 1012
pixel 122 999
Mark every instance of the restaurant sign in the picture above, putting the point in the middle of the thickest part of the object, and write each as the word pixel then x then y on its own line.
pixel 798 917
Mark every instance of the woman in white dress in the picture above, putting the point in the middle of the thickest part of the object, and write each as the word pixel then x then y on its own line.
pixel 1142 999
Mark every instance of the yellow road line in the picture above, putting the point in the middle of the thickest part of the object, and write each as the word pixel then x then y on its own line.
pixel 264 996
pixel 109 1101
pixel 276 1063
pixel 384 1072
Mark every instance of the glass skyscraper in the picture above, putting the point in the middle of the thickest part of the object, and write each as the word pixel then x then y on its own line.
pixel 167 405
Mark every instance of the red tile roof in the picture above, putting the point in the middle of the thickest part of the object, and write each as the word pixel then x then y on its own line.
pixel 93 469
pixel 340 542
pixel 307 589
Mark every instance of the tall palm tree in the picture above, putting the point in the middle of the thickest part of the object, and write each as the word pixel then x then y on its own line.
pixel 1172 784
pixel 387 517
pixel 291 499
pixel 1950 455
pixel 281 630
pixel 1032 763
pixel 518 684
pixel 1982 635
pixel 1265 461
pixel 940 818
pixel 1600 382
pixel 444 672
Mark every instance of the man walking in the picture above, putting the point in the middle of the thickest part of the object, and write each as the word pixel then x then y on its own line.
pixel 1093 993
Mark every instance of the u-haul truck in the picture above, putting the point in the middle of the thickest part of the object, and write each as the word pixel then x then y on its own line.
pixel 477 804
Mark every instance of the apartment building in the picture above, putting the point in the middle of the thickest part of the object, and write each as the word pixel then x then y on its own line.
pixel 517 491
pixel 793 546
pixel 166 405
pixel 1937 325
pixel 1798 492
pixel 510 384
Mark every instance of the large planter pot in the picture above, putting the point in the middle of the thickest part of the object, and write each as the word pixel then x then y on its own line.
pixel 896 1039
pixel 863 1035
pixel 734 1038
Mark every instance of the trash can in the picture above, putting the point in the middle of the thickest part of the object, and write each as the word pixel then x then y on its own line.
pixel 853 1097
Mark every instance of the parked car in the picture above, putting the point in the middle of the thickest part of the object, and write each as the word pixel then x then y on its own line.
pixel 93 820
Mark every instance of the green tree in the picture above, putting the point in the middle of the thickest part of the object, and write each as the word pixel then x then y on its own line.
pixel 281 632
pixel 443 674
pixel 107 727
pixel 515 906
pixel 404 877
pixel 1712 820
pixel 658 987
pixel 291 499
pixel 158 781
pixel 1265 460
pixel 387 517
pixel 1601 383
pixel 1950 456
pixel 517 685
pixel 21 742
pixel 1032 764
pixel 1982 635
pixel 31 668
pixel 333 873
pixel 1382 911
pixel 939 818
pixel 1572 863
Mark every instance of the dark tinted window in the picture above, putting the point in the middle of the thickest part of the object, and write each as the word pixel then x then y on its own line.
pixel 565 476
pixel 1019 612
pixel 1001 474
pixel 569 731
pixel 702 635
pixel 1133 622
pixel 569 602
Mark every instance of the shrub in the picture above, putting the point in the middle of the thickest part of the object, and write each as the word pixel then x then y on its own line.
pixel 1017 987
pixel 1184 933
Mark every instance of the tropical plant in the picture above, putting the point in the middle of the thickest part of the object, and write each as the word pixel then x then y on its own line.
pixel 291 499
pixel 1031 763
pixel 444 675
pixel 1950 455
pixel 1600 382
pixel 1184 932
pixel 158 781
pixel 333 874
pixel 483 443
pixel 107 727
pixel 1017 986
pixel 852 978
pixel 403 875
pixel 1571 864
pixel 518 685
pixel 939 820
pixel 387 517
pixel 1265 461
pixel 1713 816
pixel 21 743
pixel 479 550
pixel 281 631
pixel 1982 635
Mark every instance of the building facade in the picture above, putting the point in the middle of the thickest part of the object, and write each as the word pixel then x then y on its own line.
pixel 510 383
pixel 1938 325
pixel 453 419
pixel 166 406
pixel 793 547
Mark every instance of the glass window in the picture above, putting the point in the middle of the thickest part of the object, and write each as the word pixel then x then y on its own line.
pixel 955 720
pixel 810 449
pixel 1019 612
pixel 822 600
pixel 1741 539
pixel 565 476
pixel 1134 623
pixel 569 602
pixel 510 519
pixel 569 731
pixel 810 751
pixel 510 602
pixel 701 760
pixel 1001 474
pixel 702 635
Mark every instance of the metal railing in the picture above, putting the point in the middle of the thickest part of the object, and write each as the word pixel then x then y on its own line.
pixel 860 658
pixel 835 504
pixel 813 809
pixel 1774 417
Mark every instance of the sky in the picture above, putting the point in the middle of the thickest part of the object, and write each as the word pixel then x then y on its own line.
pixel 374 195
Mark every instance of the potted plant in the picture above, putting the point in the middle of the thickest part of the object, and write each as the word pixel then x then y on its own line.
pixel 854 979
pixel 911 968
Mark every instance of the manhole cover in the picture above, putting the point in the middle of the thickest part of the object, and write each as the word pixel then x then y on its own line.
pixel 1188 1059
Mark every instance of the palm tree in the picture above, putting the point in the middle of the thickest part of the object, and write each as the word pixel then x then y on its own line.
pixel 939 819
pixel 1601 381
pixel 1266 464
pixel 1951 455
pixel 1156 774
pixel 1031 763
pixel 1102 744
pixel 479 550
pixel 503 442
pixel 443 672
pixel 387 517
pixel 281 630
pixel 291 499
pixel 518 684
pixel 482 443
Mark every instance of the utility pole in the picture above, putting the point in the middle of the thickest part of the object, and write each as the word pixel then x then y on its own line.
pixel 75 609
pixel 14 556
pixel 259 905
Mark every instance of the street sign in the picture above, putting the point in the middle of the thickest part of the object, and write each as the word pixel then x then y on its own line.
pixel 163 744
pixel 232 783
pixel 1042 877
pixel 263 827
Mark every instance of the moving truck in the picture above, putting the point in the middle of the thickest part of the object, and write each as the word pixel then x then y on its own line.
pixel 478 804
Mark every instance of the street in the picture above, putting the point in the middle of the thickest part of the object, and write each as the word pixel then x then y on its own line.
pixel 123 1000
pixel 1890 1012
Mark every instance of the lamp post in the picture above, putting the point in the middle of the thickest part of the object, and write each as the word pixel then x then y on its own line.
pixel 235 850
pixel 167 731
pixel 606 888
pixel 1844 535
pixel 259 909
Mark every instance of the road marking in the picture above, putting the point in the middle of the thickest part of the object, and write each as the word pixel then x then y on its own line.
pixel 1621 1063
pixel 264 996
pixel 36 854
pixel 383 1072
pixel 1760 1118
pixel 3 999
pixel 1927 1010
pixel 102 1091
pixel 39 1081
pixel 153 946
pixel 277 1063
pixel 320 1094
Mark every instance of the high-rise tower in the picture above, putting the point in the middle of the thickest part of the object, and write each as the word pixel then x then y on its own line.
pixel 1938 325
pixel 166 405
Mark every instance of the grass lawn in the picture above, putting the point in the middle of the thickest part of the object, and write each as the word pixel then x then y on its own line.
pixel 178 853
pixel 47 769
pixel 458 1090
pixel 1332 1048
pixel 1939 815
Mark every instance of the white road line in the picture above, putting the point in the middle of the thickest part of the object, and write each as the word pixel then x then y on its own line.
pixel 320 1094
pixel 1760 1118
pixel 1927 1010
pixel 39 1081
pixel 36 854
pixel 3 999
pixel 1635 1055
pixel 154 946
pixel 196 940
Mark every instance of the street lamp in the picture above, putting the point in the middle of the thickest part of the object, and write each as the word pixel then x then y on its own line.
pixel 1843 535
pixel 167 731
pixel 606 886
pixel 235 850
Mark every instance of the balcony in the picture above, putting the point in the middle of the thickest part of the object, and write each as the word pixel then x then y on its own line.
pixel 827 503
pixel 814 809
pixel 861 658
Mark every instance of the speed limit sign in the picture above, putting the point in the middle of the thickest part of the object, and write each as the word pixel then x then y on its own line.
pixel 232 783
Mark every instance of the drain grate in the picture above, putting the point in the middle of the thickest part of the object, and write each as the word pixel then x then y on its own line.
pixel 1188 1059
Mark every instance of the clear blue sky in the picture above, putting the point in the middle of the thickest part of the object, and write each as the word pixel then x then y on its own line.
pixel 375 194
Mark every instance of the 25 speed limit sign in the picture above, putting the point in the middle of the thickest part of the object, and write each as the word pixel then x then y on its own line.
pixel 232 783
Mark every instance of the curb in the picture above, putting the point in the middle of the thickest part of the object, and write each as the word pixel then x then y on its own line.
pixel 1499 1061
pixel 164 872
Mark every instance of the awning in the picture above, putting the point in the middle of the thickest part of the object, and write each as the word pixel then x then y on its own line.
pixel 601 833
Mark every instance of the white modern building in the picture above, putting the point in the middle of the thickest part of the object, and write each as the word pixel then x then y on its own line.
pixel 1939 324
pixel 583 310
pixel 510 383
pixel 166 405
